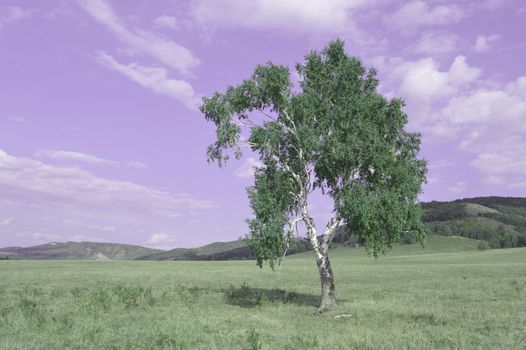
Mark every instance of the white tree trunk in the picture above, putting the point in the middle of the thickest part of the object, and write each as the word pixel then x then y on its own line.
pixel 328 294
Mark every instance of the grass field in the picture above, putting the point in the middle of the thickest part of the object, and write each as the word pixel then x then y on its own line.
pixel 448 296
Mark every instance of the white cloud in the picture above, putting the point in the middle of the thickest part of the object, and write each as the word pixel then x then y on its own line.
pixel 485 43
pixel 503 163
pixel 423 80
pixel 86 238
pixel 12 14
pixel 422 83
pixel 247 169
pixel 437 43
pixel 490 107
pixel 293 16
pixel 490 4
pixel 136 164
pixel 153 78
pixel 164 50
pixel 42 235
pixel 413 15
pixel 493 180
pixel 498 152
pixel 491 127
pixel 518 87
pixel 84 158
pixel 441 164
pixel 17 118
pixel 518 185
pixel 166 21
pixel 90 226
pixel 160 237
pixel 433 180
pixel 28 180
pixel 76 156
pixel 161 240
pixel 458 188
pixel 7 221
pixel 49 200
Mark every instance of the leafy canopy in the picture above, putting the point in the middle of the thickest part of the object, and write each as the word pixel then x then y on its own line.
pixel 335 133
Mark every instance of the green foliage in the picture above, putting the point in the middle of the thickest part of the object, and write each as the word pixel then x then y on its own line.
pixel 4 258
pixel 498 237
pixel 335 133
pixel 270 208
pixel 133 296
pixel 508 218
pixel 484 245
pixel 442 211
pixel 254 339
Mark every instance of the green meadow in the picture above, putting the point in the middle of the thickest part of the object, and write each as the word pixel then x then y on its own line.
pixel 450 295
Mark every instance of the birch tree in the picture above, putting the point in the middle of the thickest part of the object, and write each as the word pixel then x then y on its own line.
pixel 332 133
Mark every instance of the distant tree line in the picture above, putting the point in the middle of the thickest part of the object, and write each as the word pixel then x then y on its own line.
pixel 442 211
pixel 494 202
pixel 497 237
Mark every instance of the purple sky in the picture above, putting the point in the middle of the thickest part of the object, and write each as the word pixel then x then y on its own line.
pixel 100 138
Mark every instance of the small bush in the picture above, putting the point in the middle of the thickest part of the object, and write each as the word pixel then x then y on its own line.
pixel 101 298
pixel 494 243
pixel 484 245
pixel 134 296
pixel 262 299
pixel 64 322
pixel 187 295
pixel 254 339
pixel 31 310
pixel 164 341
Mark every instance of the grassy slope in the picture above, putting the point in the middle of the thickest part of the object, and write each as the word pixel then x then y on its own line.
pixel 411 299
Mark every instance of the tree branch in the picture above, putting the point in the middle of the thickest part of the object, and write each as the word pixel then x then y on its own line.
pixel 330 231
pixel 244 125
pixel 267 115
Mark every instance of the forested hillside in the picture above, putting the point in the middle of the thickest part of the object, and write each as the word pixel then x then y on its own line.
pixel 499 221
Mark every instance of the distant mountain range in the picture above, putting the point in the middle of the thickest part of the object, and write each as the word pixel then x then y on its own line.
pixel 78 251
pixel 497 222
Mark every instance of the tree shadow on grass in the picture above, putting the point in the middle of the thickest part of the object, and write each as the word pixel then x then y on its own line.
pixel 251 297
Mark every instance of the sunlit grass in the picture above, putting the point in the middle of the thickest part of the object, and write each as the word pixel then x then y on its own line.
pixel 410 299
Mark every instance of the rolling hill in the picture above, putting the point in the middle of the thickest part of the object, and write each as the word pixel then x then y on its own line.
pixel 233 250
pixel 78 251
